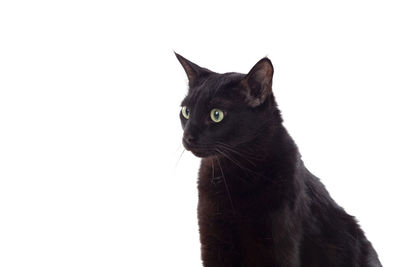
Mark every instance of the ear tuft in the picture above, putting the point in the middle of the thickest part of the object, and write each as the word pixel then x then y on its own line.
pixel 258 83
pixel 192 70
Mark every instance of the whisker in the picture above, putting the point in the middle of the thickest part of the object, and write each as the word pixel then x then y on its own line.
pixel 245 169
pixel 226 186
pixel 225 154
pixel 212 165
pixel 179 159
pixel 244 154
pixel 178 147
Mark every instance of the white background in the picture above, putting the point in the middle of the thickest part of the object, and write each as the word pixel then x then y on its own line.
pixel 90 137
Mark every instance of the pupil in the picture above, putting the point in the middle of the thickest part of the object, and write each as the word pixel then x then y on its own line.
pixel 187 111
pixel 216 114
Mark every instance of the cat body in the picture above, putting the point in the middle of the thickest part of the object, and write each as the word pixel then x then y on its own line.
pixel 258 203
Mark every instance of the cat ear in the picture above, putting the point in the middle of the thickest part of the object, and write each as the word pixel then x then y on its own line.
pixel 258 82
pixel 193 71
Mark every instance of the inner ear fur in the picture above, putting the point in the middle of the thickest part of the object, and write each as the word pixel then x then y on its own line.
pixel 257 84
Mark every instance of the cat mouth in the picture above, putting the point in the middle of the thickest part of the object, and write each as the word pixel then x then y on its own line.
pixel 200 151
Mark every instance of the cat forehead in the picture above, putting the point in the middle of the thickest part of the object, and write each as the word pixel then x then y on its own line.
pixel 214 89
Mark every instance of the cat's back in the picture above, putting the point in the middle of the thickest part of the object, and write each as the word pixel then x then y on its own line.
pixel 331 236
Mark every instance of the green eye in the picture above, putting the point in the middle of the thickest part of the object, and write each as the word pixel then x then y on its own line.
pixel 216 115
pixel 185 112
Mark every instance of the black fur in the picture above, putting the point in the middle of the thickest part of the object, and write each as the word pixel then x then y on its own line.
pixel 258 203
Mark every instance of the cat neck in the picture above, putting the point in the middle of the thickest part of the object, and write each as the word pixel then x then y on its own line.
pixel 266 158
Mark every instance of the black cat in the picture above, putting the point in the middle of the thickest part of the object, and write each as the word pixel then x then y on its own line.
pixel 258 203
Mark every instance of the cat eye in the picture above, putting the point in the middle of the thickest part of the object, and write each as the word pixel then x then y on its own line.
pixel 216 115
pixel 185 112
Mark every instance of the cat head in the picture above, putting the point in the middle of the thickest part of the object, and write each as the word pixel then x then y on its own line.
pixel 224 111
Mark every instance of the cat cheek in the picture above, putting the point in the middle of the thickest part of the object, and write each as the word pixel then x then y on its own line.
pixel 183 123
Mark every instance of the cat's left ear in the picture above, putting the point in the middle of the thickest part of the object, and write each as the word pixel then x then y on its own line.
pixel 193 71
pixel 257 84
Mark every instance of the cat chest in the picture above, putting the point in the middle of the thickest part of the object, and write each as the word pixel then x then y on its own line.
pixel 249 237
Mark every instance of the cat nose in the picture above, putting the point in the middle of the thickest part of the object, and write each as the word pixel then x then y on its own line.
pixel 189 138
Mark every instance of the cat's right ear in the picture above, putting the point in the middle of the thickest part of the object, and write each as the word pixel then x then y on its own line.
pixel 193 71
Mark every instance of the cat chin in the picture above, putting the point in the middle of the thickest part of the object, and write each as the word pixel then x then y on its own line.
pixel 201 154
